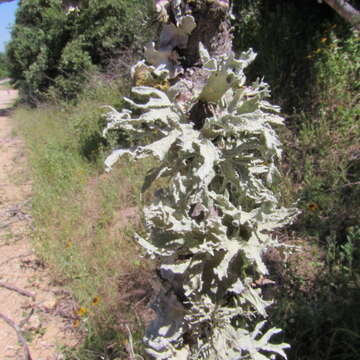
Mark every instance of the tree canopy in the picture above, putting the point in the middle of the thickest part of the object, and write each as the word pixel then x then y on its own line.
pixel 3 66
pixel 54 46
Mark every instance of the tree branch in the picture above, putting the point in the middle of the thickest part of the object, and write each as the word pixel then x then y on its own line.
pixel 21 339
pixel 19 291
pixel 345 10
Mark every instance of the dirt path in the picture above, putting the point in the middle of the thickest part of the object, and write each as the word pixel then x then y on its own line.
pixel 49 326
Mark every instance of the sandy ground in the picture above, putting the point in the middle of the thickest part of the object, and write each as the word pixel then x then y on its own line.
pixel 47 316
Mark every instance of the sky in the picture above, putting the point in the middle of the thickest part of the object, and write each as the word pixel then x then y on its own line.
pixel 7 18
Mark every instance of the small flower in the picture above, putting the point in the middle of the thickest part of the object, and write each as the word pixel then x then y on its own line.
pixel 95 300
pixel 312 207
pixel 324 39
pixel 76 323
pixel 82 311
pixel 69 244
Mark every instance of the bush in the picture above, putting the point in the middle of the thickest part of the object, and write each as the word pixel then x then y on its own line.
pixel 74 66
pixel 54 48
pixel 3 66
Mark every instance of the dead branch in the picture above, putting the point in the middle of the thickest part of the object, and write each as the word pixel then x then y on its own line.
pixel 24 321
pixel 21 339
pixel 8 223
pixel 10 184
pixel 19 291
pixel 345 10
pixel 352 184
pixel 16 257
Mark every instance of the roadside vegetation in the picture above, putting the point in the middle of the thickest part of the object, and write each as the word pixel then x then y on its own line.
pixel 85 219
pixel 55 47
pixel 3 66
pixel 310 57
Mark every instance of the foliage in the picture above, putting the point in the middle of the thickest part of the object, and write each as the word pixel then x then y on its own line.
pixel 314 74
pixel 112 26
pixel 335 151
pixel 74 67
pixel 210 223
pixel 3 66
pixel 38 37
pixel 54 48
pixel 283 34
pixel 80 227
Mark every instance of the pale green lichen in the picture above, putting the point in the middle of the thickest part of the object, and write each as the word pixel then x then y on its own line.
pixel 212 223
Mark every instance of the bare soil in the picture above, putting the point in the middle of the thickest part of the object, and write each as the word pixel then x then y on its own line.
pixel 45 319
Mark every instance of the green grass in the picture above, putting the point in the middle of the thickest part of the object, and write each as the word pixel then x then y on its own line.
pixel 82 232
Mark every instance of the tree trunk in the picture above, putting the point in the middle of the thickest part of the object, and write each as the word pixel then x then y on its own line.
pixel 345 10
pixel 213 30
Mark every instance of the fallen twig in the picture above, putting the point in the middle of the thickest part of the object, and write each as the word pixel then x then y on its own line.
pixel 129 345
pixel 16 257
pixel 8 224
pixel 24 321
pixel 19 335
pixel 352 184
pixel 19 291
pixel 9 184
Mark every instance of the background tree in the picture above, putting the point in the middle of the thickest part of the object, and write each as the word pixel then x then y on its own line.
pixel 55 47
pixel 3 66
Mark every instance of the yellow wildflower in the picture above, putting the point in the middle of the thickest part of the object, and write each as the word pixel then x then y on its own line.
pixel 69 244
pixel 76 323
pixel 82 311
pixel 312 207
pixel 95 300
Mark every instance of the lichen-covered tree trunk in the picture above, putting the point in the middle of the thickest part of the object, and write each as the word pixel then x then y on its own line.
pixel 211 221
pixel 212 29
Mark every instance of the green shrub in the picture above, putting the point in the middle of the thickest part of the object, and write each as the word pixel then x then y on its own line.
pixel 3 66
pixel 112 26
pixel 38 37
pixel 53 49
pixel 74 67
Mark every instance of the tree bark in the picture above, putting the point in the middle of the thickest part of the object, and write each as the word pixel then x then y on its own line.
pixel 346 11
pixel 213 30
